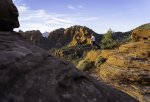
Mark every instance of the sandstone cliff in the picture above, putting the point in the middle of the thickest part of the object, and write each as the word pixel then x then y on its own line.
pixel 34 37
pixel 57 38
pixel 72 36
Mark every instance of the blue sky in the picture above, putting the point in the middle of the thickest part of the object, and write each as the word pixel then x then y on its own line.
pixel 99 15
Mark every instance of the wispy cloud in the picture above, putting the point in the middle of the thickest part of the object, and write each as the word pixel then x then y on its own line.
pixel 46 21
pixel 71 7
pixel 41 19
pixel 75 7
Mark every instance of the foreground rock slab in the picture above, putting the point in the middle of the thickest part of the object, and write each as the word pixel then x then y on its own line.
pixel 29 74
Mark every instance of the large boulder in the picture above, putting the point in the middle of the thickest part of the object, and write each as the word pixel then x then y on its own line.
pixel 29 74
pixel 8 15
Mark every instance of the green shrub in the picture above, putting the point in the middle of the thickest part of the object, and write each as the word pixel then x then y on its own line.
pixel 100 60
pixel 107 41
pixel 112 39
pixel 84 65
pixel 126 39
pixel 110 45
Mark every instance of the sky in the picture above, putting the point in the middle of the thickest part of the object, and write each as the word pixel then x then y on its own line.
pixel 99 15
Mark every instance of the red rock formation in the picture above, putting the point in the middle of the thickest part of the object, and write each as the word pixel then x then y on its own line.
pixel 72 36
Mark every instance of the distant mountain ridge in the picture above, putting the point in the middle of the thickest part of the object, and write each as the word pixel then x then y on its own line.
pixel 71 36
pixel 61 37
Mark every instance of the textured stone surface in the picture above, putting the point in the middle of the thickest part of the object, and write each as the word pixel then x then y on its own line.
pixel 129 69
pixel 92 55
pixel 8 15
pixel 29 74
pixel 141 33
pixel 34 37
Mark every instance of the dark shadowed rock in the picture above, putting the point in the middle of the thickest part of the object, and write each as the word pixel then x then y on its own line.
pixel 8 15
pixel 29 74
pixel 34 37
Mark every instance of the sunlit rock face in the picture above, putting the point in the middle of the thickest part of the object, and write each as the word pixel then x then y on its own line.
pixel 8 15
pixel 128 68
pixel 72 36
pixel 141 32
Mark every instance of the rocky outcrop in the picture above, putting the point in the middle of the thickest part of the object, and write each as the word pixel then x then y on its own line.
pixel 72 53
pixel 82 35
pixel 93 59
pixel 57 38
pixel 8 15
pixel 34 36
pixel 29 74
pixel 141 32
pixel 72 36
pixel 129 69
pixel 92 55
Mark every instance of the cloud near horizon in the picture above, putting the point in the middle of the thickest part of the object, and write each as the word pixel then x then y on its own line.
pixel 46 21
pixel 99 15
